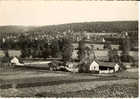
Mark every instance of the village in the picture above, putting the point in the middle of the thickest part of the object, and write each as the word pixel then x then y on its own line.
pixel 100 52
pixel 82 60
pixel 69 49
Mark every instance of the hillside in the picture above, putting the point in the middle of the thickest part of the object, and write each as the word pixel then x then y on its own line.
pixel 114 26
pixel 15 29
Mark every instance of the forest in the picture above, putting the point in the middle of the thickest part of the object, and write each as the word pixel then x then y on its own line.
pixel 114 26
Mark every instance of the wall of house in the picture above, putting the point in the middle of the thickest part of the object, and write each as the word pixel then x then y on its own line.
pixel 75 45
pixel 115 47
pixel 1 53
pixel 14 53
pixel 74 54
pixel 133 54
pixel 11 53
pixel 102 55
pixel 96 46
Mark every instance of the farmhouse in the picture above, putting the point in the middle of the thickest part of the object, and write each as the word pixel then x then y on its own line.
pixel 94 66
pixel 104 67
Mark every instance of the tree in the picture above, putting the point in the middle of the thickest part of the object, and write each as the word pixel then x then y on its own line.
pixel 107 45
pixel 116 57
pixel 81 52
pixel 46 51
pixel 113 55
pixel 55 48
pixel 6 58
pixel 25 52
pixel 86 56
pixel 92 54
pixel 67 50
pixel 125 50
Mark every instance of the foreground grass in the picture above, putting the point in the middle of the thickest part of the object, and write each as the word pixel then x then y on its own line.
pixel 102 92
pixel 123 84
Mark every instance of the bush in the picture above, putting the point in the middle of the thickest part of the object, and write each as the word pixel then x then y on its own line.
pixel 83 68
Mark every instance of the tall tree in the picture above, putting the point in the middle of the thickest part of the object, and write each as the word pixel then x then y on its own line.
pixel 67 50
pixel 81 52
pixel 125 49
pixel 55 48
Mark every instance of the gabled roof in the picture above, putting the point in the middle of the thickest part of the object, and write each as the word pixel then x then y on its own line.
pixel 106 64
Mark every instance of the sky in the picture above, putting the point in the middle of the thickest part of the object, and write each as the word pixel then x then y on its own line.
pixel 39 13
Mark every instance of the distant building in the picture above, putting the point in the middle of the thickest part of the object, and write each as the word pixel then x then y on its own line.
pixel 96 45
pixel 74 55
pixel 115 46
pixel 75 45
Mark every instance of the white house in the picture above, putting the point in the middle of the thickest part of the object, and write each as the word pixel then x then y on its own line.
pixel 94 66
pixel 15 61
pixel 104 67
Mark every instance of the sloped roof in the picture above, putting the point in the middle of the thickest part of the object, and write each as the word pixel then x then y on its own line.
pixel 106 64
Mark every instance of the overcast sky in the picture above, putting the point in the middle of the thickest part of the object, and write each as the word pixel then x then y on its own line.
pixel 58 12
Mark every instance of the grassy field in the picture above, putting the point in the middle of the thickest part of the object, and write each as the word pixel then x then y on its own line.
pixel 23 82
pixel 116 90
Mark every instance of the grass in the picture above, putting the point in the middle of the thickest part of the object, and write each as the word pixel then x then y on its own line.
pixel 67 83
pixel 49 81
pixel 116 90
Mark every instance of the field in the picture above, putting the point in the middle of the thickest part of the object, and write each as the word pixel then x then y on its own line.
pixel 23 82
pixel 104 91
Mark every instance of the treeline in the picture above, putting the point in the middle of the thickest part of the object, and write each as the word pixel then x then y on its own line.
pixel 114 26
pixel 58 48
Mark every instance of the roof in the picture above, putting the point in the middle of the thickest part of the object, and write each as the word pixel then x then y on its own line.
pixel 106 64
pixel 90 42
pixel 94 42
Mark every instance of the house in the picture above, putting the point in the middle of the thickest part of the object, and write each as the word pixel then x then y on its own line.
pixel 15 61
pixel 127 64
pixel 74 54
pixel 115 46
pixel 104 67
pixel 13 53
pixel 75 45
pixel 101 34
pixel 100 54
pixel 95 45
pixel 94 66
pixel 108 67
